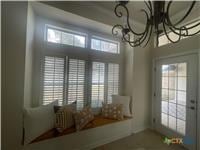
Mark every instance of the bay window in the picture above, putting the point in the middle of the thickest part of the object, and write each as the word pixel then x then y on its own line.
pixel 80 76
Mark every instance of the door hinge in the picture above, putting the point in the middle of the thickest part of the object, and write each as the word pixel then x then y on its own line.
pixel 154 94
pixel 154 120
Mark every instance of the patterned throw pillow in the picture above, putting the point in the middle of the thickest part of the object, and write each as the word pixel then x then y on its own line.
pixel 64 117
pixel 83 117
pixel 112 111
pixel 125 100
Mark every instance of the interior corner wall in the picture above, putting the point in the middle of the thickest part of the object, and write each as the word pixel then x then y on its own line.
pixel 29 57
pixel 128 63
pixel 14 17
pixel 138 85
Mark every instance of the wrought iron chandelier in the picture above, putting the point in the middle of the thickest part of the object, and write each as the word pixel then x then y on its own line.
pixel 156 15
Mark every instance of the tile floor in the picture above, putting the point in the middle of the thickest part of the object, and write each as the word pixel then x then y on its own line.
pixel 145 140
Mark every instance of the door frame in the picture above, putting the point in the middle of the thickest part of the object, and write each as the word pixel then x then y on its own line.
pixel 153 91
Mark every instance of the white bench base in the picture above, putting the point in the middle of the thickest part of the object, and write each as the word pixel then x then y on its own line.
pixel 86 139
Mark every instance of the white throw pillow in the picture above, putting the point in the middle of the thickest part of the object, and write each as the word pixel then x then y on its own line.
pixel 125 100
pixel 38 120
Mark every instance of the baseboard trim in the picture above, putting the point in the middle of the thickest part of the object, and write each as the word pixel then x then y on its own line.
pixel 139 129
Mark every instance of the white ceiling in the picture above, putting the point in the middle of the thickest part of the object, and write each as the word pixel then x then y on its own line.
pixel 100 8
pixel 135 7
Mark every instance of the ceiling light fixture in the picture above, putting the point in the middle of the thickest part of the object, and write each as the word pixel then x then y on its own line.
pixel 156 15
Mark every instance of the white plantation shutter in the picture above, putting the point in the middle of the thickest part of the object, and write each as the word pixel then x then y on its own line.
pixel 53 79
pixel 113 81
pixel 76 82
pixel 97 95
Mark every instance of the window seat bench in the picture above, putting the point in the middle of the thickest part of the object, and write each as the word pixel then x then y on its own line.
pixel 100 131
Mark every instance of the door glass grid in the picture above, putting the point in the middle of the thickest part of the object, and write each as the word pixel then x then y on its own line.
pixel 173 95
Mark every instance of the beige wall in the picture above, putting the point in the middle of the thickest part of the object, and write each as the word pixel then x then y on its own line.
pixel 138 85
pixel 184 45
pixel 29 57
pixel 129 56
pixel 142 88
pixel 85 8
pixel 199 104
pixel 14 16
pixel 0 84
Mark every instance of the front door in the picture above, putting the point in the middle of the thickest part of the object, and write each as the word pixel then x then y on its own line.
pixel 176 97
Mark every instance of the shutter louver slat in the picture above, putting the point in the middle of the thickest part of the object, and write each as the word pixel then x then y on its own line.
pixel 113 81
pixel 53 80
pixel 76 82
pixel 97 97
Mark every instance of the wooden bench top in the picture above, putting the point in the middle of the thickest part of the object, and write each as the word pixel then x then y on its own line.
pixel 98 121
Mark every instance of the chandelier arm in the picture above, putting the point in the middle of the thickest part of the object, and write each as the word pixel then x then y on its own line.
pixel 165 31
pixel 182 19
pixel 148 6
pixel 168 22
pixel 147 18
pixel 185 31
pixel 146 33
pixel 119 14
pixel 138 39
pixel 180 34
pixel 150 33
pixel 115 32
pixel 188 28
pixel 132 43
pixel 125 36
pixel 183 28
pixel 128 41
pixel 141 38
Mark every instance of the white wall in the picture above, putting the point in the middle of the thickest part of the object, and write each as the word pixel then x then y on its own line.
pixel 29 57
pixel 14 16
